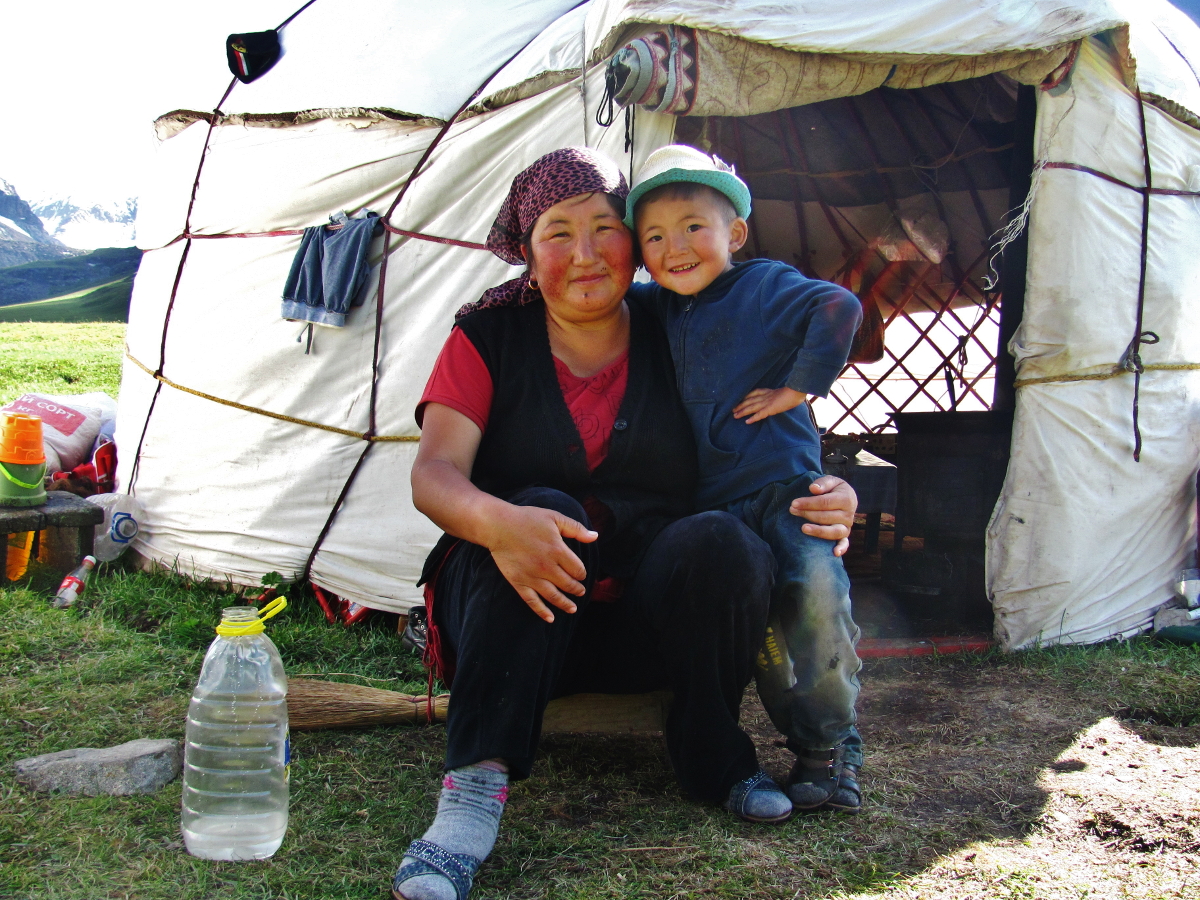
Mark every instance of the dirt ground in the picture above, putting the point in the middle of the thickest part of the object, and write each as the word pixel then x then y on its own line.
pixel 1020 794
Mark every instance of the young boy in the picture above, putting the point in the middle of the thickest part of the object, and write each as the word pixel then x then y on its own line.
pixel 751 342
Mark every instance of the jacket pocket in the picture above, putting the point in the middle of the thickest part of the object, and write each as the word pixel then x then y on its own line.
pixel 713 452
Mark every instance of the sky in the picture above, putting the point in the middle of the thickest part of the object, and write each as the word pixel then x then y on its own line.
pixel 86 81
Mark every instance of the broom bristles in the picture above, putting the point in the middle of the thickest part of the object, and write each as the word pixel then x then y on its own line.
pixel 314 704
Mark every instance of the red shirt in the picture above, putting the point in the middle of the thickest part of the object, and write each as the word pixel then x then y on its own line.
pixel 461 381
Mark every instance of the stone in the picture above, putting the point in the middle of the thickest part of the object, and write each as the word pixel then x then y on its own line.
pixel 137 767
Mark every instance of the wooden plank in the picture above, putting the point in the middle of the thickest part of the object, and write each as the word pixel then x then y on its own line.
pixel 61 510
pixel 607 713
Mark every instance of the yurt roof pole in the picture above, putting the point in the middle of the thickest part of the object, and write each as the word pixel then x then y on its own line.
pixel 814 183
pixel 801 224
pixel 968 175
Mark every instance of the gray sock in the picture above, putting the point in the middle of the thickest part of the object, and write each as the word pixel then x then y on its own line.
pixel 467 821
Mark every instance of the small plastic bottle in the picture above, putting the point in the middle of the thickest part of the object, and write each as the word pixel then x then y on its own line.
pixel 236 753
pixel 73 585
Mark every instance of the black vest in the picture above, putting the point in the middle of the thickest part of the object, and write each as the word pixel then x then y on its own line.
pixel 648 478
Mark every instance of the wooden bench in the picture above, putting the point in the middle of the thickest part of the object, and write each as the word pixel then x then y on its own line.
pixel 64 529
pixel 607 713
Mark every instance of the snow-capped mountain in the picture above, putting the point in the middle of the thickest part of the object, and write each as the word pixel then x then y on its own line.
pixel 88 225
pixel 22 237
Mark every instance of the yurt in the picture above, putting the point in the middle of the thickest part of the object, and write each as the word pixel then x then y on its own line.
pixel 1010 188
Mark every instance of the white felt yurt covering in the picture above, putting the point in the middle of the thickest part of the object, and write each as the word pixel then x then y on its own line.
pixel 1084 542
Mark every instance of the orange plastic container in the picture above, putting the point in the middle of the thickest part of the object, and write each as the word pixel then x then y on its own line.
pixel 21 439
pixel 16 562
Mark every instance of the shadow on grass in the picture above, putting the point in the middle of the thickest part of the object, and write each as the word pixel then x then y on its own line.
pixel 957 748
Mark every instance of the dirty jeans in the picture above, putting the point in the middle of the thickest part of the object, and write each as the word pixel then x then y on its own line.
pixel 811 701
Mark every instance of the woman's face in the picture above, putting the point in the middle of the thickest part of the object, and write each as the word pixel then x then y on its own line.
pixel 582 258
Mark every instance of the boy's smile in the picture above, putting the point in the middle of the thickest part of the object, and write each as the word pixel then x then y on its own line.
pixel 687 243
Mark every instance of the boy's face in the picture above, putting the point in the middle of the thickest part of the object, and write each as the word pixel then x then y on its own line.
pixel 687 243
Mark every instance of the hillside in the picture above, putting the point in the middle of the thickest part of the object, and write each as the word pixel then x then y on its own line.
pixel 56 277
pixel 107 303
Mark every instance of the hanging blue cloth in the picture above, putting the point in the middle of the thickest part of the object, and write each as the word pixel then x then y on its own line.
pixel 330 270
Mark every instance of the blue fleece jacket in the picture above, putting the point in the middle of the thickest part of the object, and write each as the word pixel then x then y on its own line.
pixel 760 325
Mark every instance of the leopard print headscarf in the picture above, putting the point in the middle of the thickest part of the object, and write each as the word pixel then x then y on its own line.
pixel 555 177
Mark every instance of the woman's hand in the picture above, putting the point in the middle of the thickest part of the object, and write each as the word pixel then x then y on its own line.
pixel 830 511
pixel 525 541
pixel 763 402
pixel 528 548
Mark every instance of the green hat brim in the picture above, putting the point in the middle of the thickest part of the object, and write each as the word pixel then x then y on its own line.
pixel 724 182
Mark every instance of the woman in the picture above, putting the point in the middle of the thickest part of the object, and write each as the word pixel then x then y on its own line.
pixel 557 457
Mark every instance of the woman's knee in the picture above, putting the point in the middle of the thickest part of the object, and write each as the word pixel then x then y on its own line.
pixel 549 498
pixel 720 536
pixel 719 547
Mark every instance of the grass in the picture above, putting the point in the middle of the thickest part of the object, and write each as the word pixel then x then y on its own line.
pixel 107 303
pixel 121 667
pixel 603 817
pixel 60 358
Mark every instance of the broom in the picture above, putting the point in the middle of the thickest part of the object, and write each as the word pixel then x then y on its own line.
pixel 314 704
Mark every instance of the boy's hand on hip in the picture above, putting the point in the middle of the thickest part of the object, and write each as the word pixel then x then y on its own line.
pixel 763 402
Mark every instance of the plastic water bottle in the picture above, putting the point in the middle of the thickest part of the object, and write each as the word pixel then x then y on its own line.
pixel 236 754
pixel 120 525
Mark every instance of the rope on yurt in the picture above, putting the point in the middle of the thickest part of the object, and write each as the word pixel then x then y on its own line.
pixel 418 235
pixel 1131 360
pixel 1122 367
pixel 358 435
pixel 183 257
pixel 369 435
pixel 213 119
pixel 1117 371
pixel 1088 170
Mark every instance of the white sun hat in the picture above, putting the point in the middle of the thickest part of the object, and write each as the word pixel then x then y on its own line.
pixel 677 162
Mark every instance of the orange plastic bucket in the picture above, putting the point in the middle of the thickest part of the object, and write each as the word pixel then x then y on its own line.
pixel 16 561
pixel 21 439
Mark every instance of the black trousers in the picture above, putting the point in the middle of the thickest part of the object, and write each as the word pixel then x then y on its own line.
pixel 692 621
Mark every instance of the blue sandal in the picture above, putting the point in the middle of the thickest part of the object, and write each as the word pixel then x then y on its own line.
pixel 430 859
